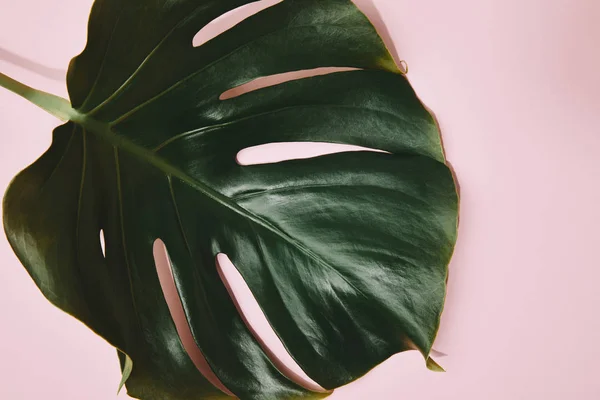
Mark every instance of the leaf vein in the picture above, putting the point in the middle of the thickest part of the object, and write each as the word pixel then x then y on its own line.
pixel 83 173
pixel 101 69
pixel 214 127
pixel 123 240
pixel 62 157
pixel 144 62
pixel 187 246
pixel 188 77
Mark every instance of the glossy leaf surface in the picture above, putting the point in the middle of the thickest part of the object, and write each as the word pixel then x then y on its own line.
pixel 345 253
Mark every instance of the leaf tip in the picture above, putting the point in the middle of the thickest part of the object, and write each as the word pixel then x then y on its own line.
pixel 434 366
pixel 127 367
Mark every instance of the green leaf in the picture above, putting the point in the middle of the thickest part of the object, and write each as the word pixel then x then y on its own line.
pixel 345 253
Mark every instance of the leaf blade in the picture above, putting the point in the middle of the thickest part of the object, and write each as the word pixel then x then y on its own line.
pixel 346 276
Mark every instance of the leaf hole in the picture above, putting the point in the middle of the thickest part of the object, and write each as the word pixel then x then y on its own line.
pixel 272 80
pixel 258 324
pixel 167 282
pixel 229 20
pixel 277 152
pixel 102 243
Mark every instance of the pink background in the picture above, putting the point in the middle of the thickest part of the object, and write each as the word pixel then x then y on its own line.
pixel 516 87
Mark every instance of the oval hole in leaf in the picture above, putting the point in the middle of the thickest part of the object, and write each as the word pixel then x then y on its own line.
pixel 102 243
pixel 276 152
pixel 167 283
pixel 272 80
pixel 258 324
pixel 229 20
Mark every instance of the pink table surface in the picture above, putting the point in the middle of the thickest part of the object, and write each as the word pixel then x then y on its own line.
pixel 516 87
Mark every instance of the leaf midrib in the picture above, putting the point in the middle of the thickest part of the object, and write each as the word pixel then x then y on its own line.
pixel 104 132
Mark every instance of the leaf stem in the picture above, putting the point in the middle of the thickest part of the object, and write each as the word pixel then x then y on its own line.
pixel 55 105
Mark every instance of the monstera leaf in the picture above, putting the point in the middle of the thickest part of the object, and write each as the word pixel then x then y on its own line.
pixel 345 253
